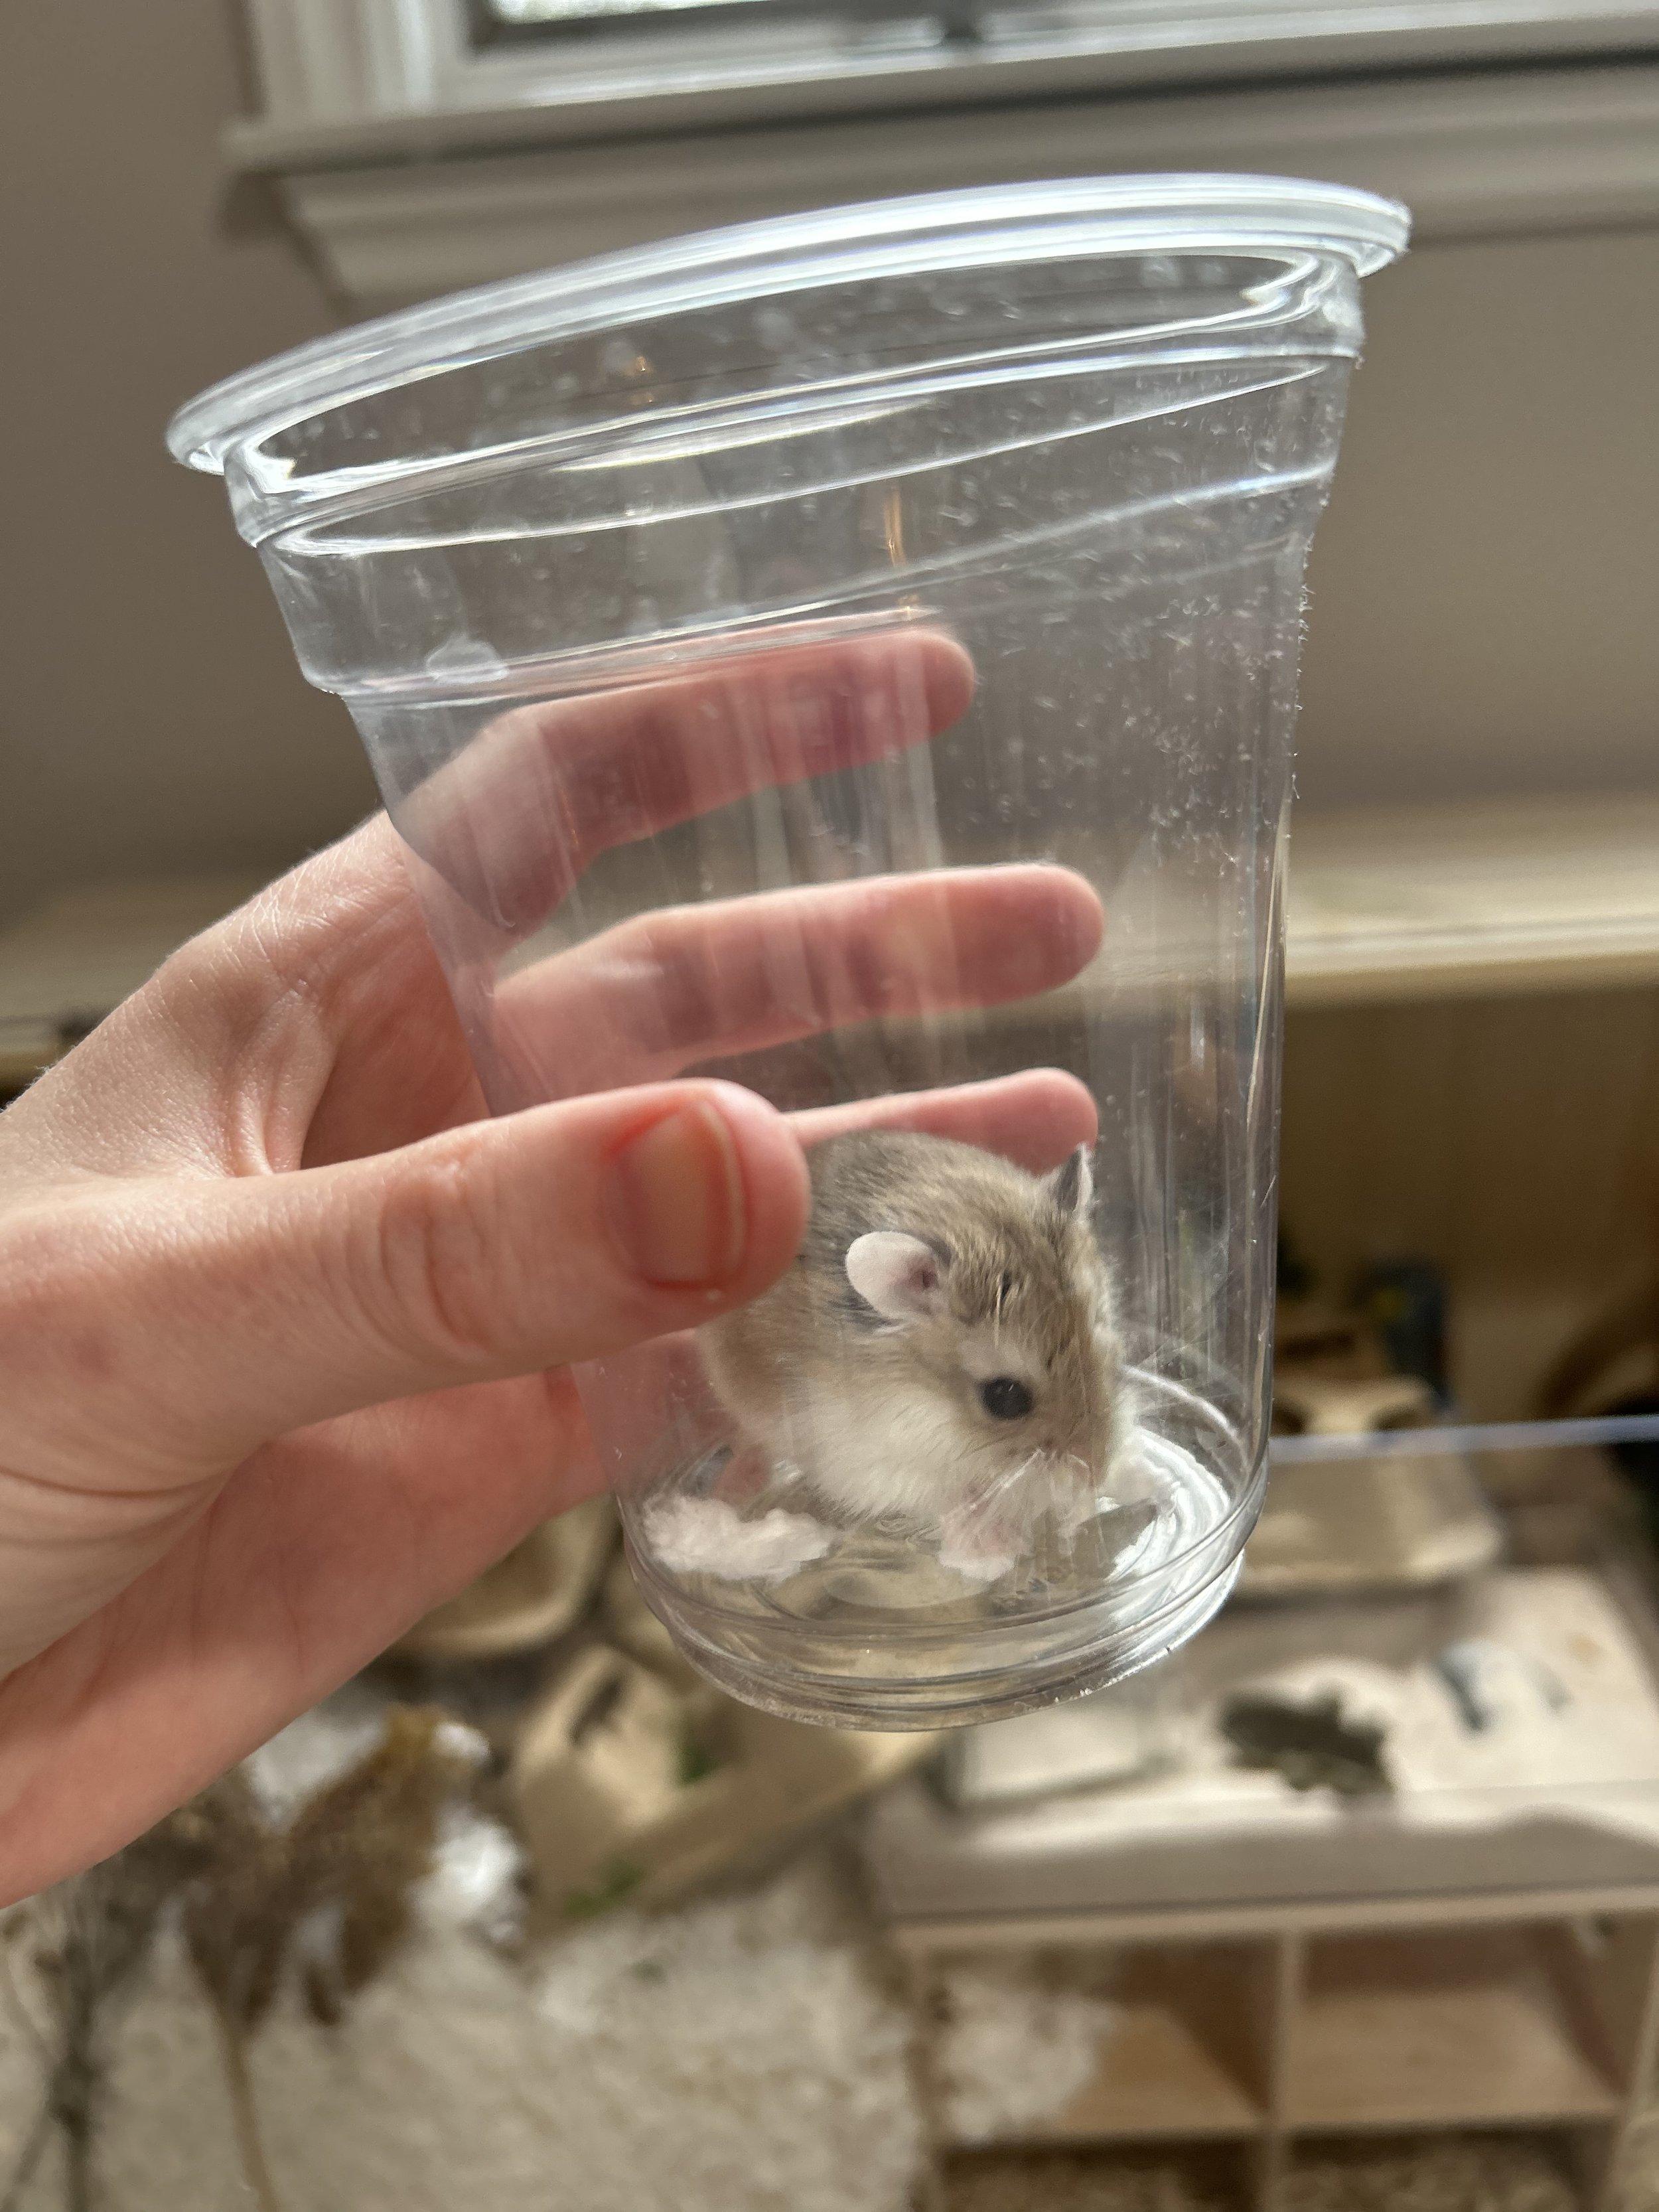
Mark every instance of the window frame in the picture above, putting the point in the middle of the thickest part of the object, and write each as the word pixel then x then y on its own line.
pixel 345 80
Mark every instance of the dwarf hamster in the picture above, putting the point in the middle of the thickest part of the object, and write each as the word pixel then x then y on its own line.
pixel 943 1349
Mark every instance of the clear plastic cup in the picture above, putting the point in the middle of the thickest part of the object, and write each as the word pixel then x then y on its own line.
pixel 856 656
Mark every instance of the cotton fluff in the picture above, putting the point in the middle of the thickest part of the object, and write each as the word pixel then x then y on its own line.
pixel 1016 2049
pixel 707 1536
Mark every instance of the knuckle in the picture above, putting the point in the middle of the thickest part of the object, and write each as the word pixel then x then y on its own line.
pixel 443 1255
pixel 286 955
pixel 221 996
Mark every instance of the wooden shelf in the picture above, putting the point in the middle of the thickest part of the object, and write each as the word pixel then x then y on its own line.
pixel 1396 2017
pixel 1181 2060
pixel 1492 895
pixel 69 961
pixel 1434 902
pixel 1430 2031
pixel 1157 2079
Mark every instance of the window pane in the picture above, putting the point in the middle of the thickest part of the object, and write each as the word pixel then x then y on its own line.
pixel 550 15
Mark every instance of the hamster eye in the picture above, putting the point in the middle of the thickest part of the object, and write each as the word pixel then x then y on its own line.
pixel 1005 1398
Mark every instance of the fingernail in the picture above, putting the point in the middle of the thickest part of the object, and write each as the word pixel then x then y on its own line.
pixel 675 1200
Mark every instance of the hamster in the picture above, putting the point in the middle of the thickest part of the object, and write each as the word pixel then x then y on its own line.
pixel 942 1350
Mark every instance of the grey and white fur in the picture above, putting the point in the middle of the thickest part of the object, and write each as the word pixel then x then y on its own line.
pixel 943 1350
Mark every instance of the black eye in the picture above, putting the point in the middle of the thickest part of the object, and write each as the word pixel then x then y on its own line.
pixel 1004 1399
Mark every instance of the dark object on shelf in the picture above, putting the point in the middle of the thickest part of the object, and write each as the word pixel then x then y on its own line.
pixel 1405 1301
pixel 1311 1745
pixel 1615 1349
pixel 1638 1458
pixel 1326 1341
pixel 1637 1461
pixel 1612 1367
pixel 1293 1276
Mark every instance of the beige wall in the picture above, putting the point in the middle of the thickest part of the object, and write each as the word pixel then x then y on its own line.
pixel 1484 586
pixel 1482 605
pixel 152 716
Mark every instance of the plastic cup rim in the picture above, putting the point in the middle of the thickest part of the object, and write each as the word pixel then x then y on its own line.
pixel 745 262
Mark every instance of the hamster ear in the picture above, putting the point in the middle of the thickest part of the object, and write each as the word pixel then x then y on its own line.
pixel 900 1276
pixel 1071 1185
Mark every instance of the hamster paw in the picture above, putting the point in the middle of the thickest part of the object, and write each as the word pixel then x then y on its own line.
pixel 978 1549
pixel 744 1477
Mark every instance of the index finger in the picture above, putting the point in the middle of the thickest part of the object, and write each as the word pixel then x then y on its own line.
pixel 512 821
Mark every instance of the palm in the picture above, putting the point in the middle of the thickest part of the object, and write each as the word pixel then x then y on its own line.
pixel 373 1518
pixel 297 1566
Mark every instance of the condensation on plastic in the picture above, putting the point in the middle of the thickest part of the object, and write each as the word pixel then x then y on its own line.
pixel 856 656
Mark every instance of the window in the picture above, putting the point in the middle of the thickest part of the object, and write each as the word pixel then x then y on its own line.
pixel 347 76
pixel 538 18
pixel 698 44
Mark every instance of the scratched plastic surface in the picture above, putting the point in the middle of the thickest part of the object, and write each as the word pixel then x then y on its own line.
pixel 856 656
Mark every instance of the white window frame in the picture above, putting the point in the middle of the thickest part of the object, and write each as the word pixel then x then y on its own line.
pixel 354 80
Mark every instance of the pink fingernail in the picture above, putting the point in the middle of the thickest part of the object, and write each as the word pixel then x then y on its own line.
pixel 675 1200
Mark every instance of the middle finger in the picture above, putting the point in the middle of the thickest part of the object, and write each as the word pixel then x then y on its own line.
pixel 666 990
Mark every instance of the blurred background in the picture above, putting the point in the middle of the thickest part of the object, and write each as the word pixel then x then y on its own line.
pixel 1470 1180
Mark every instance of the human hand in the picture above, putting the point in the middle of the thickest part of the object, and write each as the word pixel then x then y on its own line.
pixel 285 1322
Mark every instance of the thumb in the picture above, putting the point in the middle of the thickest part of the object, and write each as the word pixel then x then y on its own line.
pixel 504 1247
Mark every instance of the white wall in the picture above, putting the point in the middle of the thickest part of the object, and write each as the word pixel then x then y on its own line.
pixel 1485 584
pixel 1483 602
pixel 152 717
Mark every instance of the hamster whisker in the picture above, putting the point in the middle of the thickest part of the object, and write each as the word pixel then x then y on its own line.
pixel 1000 1485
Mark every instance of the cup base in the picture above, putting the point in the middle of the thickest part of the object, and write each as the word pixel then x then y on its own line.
pixel 923 1699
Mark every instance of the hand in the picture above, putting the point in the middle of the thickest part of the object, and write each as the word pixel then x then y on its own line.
pixel 285 1321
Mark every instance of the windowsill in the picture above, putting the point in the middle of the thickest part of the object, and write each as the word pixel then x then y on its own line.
pixel 1479 897
pixel 1491 153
